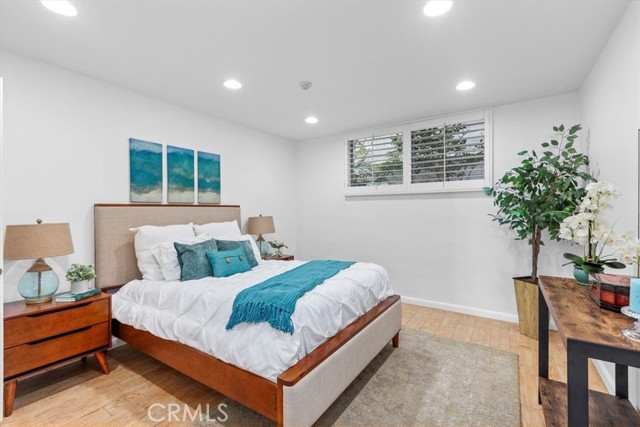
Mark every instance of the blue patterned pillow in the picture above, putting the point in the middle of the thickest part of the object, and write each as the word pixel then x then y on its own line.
pixel 193 260
pixel 228 245
pixel 228 263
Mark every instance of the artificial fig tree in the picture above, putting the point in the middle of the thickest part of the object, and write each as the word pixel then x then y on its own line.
pixel 542 190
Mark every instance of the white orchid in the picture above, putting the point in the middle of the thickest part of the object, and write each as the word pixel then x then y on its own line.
pixel 627 249
pixel 587 229
pixel 599 197
pixel 576 228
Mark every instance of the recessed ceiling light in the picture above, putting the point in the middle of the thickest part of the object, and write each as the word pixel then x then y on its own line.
pixel 61 7
pixel 437 7
pixel 311 120
pixel 232 84
pixel 465 85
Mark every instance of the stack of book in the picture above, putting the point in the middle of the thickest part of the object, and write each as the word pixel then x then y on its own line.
pixel 69 297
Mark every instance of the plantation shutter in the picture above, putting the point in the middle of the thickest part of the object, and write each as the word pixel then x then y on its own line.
pixel 375 160
pixel 447 153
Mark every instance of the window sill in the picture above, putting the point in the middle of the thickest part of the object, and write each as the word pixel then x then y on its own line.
pixel 385 190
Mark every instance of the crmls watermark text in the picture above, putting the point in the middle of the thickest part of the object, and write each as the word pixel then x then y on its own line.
pixel 159 412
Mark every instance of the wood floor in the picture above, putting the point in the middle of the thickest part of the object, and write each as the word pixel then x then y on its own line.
pixel 79 395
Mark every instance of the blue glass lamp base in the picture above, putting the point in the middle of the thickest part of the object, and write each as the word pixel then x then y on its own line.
pixel 38 300
pixel 38 284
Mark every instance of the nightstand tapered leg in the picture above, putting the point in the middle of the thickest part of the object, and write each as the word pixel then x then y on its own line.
pixel 9 396
pixel 102 361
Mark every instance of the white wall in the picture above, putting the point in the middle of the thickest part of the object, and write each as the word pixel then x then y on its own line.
pixel 66 148
pixel 440 250
pixel 610 110
pixel 1 250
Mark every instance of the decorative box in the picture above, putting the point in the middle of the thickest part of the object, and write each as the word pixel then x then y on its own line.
pixel 610 291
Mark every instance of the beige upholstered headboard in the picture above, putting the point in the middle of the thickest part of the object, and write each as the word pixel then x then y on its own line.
pixel 115 256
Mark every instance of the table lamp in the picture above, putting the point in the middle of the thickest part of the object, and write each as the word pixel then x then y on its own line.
pixel 37 241
pixel 259 225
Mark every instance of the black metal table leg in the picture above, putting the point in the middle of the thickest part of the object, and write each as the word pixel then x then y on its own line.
pixel 577 384
pixel 622 381
pixel 543 339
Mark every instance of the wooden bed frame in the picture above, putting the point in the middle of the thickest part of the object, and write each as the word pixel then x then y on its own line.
pixel 304 391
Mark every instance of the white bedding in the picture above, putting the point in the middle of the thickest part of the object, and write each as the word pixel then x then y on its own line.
pixel 195 313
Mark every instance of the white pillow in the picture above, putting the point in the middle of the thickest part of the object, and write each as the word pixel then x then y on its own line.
pixel 217 229
pixel 149 236
pixel 241 238
pixel 167 257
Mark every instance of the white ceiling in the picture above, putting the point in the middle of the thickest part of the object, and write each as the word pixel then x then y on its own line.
pixel 371 62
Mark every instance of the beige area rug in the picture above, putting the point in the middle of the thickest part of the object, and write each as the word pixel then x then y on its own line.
pixel 427 381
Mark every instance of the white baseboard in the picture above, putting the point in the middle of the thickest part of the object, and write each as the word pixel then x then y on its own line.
pixel 506 317
pixel 496 315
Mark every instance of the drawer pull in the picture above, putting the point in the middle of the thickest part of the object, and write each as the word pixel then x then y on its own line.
pixel 58 336
pixel 60 309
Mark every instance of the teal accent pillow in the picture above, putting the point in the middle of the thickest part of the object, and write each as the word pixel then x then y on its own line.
pixel 227 245
pixel 193 260
pixel 228 263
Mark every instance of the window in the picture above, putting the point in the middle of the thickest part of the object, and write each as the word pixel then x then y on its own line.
pixel 375 160
pixel 448 153
pixel 445 154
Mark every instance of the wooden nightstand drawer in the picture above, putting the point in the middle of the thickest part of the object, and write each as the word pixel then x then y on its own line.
pixel 39 337
pixel 38 326
pixel 36 354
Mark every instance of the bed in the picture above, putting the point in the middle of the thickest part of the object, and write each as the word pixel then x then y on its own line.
pixel 295 397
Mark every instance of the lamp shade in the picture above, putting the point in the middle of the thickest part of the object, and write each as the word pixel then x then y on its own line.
pixel 37 241
pixel 261 225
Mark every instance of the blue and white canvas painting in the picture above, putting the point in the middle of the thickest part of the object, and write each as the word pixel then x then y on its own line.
pixel 180 180
pixel 208 178
pixel 145 171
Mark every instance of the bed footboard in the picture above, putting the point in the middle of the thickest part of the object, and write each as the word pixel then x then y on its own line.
pixel 303 399
pixel 304 391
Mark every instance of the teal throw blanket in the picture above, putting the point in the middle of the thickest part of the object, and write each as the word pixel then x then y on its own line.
pixel 274 300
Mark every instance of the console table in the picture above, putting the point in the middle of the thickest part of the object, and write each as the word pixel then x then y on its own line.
pixel 587 332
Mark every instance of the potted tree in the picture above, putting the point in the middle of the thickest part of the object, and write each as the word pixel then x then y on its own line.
pixel 535 196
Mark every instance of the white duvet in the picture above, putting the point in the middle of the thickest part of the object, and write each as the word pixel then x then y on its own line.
pixel 195 313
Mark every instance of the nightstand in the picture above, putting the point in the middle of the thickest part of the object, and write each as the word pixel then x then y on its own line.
pixel 40 337
pixel 282 257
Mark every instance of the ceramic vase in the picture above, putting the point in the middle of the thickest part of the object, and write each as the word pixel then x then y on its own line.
pixel 581 276
pixel 81 286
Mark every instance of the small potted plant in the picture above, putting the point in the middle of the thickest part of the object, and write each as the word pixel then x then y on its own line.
pixel 81 277
pixel 277 246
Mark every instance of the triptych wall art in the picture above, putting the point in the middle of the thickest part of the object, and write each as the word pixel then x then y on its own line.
pixel 180 182
pixel 146 174
pixel 145 171
pixel 208 178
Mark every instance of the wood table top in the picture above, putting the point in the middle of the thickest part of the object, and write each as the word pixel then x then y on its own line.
pixel 20 308
pixel 579 318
